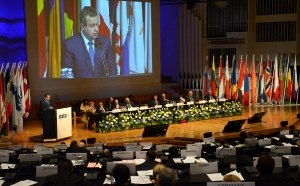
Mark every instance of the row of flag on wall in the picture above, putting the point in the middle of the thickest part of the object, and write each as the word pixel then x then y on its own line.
pixel 126 23
pixel 275 83
pixel 14 96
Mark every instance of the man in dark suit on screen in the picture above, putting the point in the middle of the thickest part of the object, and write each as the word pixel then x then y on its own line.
pixel 88 54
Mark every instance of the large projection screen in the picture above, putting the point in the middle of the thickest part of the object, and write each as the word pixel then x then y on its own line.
pixel 128 42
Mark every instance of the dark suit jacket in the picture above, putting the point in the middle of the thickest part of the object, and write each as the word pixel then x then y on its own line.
pixel 206 97
pixel 164 102
pixel 75 56
pixel 106 106
pixel 44 105
pixel 188 99
pixel 147 165
pixel 152 103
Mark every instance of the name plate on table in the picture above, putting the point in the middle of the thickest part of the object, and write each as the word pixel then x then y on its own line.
pixel 222 99
pixel 140 154
pixel 132 109
pixel 190 103
pixel 76 156
pixel 143 107
pixel 146 145
pixel 204 168
pixel 209 140
pixel 230 183
pixel 15 147
pixel 195 146
pixel 116 110
pixel 94 149
pixel 294 160
pixel 179 104
pixel 226 151
pixel 162 147
pixel 61 146
pixel 264 142
pixel 278 161
pixel 44 151
pixel 4 157
pixel 123 154
pixel 212 101
pixel 134 148
pixel 39 146
pixel 202 101
pixel 281 149
pixel 130 144
pixel 98 144
pixel 158 106
pixel 193 153
pixel 284 132
pixel 169 105
pixel 4 151
pixel 43 171
pixel 30 157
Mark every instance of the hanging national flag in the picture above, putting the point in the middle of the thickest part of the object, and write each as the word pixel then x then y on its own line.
pixel 281 81
pixel 213 81
pixel 26 92
pixel 276 93
pixel 253 83
pixel 2 101
pixel 268 80
pixel 241 76
pixel 295 82
pixel 227 83
pixel 233 81
pixel 85 3
pixel 246 84
pixel 221 81
pixel 206 79
pixel 288 81
pixel 103 11
pixel 41 39
pixel 261 80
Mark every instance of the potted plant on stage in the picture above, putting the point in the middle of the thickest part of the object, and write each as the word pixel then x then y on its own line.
pixel 178 115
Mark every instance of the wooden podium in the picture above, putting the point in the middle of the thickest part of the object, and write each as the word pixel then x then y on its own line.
pixel 57 125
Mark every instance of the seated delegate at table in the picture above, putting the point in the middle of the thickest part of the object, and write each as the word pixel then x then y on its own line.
pixel 109 104
pixel 190 97
pixel 163 99
pixel 128 103
pixel 209 96
pixel 154 101
pixel 265 166
pixel 100 108
pixel 84 107
pixel 116 104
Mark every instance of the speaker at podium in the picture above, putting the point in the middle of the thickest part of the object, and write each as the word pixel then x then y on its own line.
pixel 57 125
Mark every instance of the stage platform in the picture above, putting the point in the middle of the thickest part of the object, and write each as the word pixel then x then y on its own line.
pixel 191 131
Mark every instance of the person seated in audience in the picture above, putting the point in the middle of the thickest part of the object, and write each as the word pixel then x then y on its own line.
pixel 173 152
pixel 106 153
pixel 164 100
pixel 297 151
pixel 81 148
pixel 241 143
pixel 72 147
pixel 65 176
pixel 109 104
pixel 292 129
pixel 265 166
pixel 129 104
pixel 260 136
pixel 250 142
pixel 209 96
pixel 231 178
pixel 296 135
pixel 166 177
pixel 282 138
pixel 150 161
pixel 243 134
pixel 121 174
pixel 83 141
pixel 105 146
pixel 116 104
pixel 224 144
pixel 154 102
pixel 156 169
pixel 84 108
pixel 190 97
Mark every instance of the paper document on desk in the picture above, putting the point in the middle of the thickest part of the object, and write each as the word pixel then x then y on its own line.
pixel 94 165
pixel 106 181
pixel 77 162
pixel 288 145
pixel 215 176
pixel 1 182
pixel 269 146
pixel 289 136
pixel 237 174
pixel 177 160
pixel 145 173
pixel 189 160
pixel 201 160
pixel 47 165
pixel 25 183
pixel 275 138
pixel 138 161
pixel 7 166
pixel 140 180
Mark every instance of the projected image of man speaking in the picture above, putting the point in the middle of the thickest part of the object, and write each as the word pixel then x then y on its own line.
pixel 88 54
